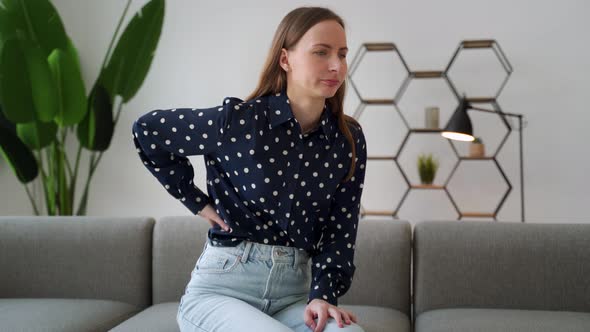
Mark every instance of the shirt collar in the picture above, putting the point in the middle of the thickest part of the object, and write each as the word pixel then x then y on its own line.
pixel 279 111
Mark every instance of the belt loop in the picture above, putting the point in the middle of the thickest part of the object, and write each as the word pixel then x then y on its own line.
pixel 297 255
pixel 246 251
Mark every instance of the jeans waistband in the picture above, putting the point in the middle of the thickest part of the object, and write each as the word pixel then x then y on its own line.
pixel 264 252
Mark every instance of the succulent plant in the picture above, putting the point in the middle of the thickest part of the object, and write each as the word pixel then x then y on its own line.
pixel 477 140
pixel 427 167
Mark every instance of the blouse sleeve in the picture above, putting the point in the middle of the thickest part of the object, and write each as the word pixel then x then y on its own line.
pixel 165 137
pixel 333 263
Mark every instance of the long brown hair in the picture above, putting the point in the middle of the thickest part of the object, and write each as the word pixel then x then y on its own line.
pixel 273 79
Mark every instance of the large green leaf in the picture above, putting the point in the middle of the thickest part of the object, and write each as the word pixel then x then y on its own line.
pixel 6 29
pixel 5 123
pixel 18 155
pixel 43 86
pixel 39 22
pixel 37 135
pixel 70 86
pixel 15 86
pixel 132 58
pixel 96 129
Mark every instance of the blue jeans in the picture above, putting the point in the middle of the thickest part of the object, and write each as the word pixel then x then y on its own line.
pixel 249 287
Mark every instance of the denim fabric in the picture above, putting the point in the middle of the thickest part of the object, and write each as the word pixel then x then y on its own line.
pixel 249 287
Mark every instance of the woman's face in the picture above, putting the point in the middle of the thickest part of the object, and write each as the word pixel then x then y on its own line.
pixel 316 66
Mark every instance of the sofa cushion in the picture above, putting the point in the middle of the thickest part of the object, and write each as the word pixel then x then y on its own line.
pixel 382 258
pixel 162 318
pixel 178 243
pixel 379 319
pixel 501 265
pixel 502 320
pixel 157 318
pixel 76 257
pixel 62 315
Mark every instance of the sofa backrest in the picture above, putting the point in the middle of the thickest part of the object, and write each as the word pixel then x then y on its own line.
pixel 528 266
pixel 178 243
pixel 76 257
pixel 382 258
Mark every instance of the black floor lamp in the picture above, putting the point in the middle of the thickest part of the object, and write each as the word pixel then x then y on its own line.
pixel 459 128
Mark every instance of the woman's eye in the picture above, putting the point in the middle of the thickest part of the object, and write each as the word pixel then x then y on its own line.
pixel 320 53
pixel 343 56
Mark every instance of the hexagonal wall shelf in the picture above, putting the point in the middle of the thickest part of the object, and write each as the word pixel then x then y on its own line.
pixel 383 62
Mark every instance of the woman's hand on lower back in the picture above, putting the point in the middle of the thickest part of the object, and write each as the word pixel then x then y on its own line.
pixel 209 213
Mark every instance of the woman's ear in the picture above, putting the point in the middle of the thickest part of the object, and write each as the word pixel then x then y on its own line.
pixel 284 60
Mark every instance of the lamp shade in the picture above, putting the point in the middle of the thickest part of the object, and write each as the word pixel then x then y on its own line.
pixel 459 126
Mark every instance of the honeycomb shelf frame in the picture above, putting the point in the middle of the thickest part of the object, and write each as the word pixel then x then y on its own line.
pixel 472 100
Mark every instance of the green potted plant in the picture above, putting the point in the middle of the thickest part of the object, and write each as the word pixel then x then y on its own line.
pixel 477 148
pixel 427 167
pixel 43 97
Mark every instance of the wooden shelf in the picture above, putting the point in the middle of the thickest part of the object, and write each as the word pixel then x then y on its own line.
pixel 480 100
pixel 427 74
pixel 426 186
pixel 477 214
pixel 379 46
pixel 425 130
pixel 379 213
pixel 476 158
pixel 382 158
pixel 485 43
pixel 378 101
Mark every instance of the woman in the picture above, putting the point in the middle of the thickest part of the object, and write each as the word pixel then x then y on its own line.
pixel 285 172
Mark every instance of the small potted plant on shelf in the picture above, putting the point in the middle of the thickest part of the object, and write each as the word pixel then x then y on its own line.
pixel 476 148
pixel 427 167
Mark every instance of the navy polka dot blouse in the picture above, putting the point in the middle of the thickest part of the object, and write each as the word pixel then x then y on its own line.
pixel 269 182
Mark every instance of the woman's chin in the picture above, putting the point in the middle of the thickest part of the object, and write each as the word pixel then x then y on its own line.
pixel 328 92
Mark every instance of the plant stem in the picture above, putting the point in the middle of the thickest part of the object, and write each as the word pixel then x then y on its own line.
pixel 107 54
pixel 83 202
pixel 74 179
pixel 32 200
pixel 66 195
pixel 63 144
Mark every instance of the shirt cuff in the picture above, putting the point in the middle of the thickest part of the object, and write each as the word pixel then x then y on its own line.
pixel 323 290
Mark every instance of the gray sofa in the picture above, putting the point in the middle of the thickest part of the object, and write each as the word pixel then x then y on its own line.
pixel 494 277
pixel 127 274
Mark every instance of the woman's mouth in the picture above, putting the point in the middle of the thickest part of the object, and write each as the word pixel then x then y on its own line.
pixel 331 83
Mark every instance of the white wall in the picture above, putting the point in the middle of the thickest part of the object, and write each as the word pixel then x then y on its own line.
pixel 212 49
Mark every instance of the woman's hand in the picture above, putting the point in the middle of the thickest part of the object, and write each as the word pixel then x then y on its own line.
pixel 323 310
pixel 209 213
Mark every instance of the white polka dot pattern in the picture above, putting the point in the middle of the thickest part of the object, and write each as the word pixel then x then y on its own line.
pixel 269 182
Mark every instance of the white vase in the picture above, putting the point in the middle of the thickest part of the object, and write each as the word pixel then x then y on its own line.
pixel 431 115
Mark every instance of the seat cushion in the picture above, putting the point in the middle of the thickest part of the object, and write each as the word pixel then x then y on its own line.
pixel 502 320
pixel 162 317
pixel 379 319
pixel 62 315
pixel 157 318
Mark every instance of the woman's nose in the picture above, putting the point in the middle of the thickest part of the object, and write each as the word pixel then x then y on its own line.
pixel 336 64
